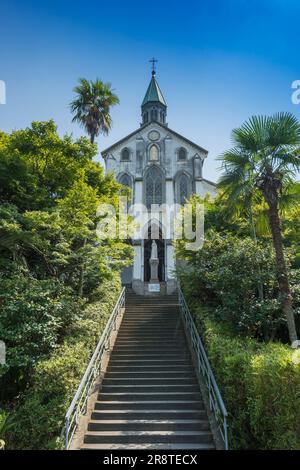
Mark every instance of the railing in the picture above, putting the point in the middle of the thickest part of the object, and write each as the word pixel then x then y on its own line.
pixel 216 403
pixel 78 406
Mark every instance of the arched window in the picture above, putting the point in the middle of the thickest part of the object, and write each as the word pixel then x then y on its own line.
pixel 153 153
pixel 181 154
pixel 125 155
pixel 183 188
pixel 154 186
pixel 125 180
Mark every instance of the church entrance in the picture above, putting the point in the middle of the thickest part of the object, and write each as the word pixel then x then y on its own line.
pixel 160 253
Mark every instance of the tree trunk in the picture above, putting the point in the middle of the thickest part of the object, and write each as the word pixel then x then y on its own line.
pixel 260 286
pixel 282 275
pixel 92 138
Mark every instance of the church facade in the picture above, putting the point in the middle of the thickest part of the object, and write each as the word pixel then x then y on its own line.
pixel 161 167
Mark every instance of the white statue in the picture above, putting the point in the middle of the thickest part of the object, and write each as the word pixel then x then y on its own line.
pixel 154 262
pixel 154 250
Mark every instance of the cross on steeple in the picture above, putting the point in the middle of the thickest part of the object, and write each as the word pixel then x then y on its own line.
pixel 153 61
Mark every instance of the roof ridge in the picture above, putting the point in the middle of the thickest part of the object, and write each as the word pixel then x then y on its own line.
pixel 151 124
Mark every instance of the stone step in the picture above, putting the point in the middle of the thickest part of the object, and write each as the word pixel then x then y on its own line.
pixel 128 414
pixel 137 299
pixel 147 445
pixel 149 380
pixel 158 314
pixel 148 425
pixel 151 341
pixel 142 332
pixel 150 337
pixel 122 437
pixel 172 307
pixel 184 404
pixel 136 327
pixel 159 355
pixel 139 331
pixel 153 351
pixel 136 361
pixel 144 362
pixel 150 304
pixel 174 339
pixel 164 350
pixel 188 373
pixel 149 344
pixel 149 367
pixel 149 396
pixel 152 388
pixel 151 322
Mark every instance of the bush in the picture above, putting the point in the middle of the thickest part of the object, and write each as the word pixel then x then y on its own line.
pixel 238 276
pixel 38 420
pixel 260 386
pixel 35 314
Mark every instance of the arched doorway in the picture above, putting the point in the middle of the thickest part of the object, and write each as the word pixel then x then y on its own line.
pixel 160 253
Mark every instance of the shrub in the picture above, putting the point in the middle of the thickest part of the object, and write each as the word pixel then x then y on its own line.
pixel 238 276
pixel 260 386
pixel 35 314
pixel 38 420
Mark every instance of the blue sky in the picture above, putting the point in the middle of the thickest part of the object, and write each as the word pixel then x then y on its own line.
pixel 219 62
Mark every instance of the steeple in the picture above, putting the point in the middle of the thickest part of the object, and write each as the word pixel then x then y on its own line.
pixel 154 107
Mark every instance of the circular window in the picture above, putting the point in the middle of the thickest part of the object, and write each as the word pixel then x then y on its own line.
pixel 154 135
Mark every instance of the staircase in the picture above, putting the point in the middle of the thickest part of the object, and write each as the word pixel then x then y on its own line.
pixel 149 397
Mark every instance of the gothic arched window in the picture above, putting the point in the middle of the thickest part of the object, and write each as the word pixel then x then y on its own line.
pixel 153 153
pixel 125 155
pixel 181 154
pixel 125 180
pixel 154 186
pixel 183 188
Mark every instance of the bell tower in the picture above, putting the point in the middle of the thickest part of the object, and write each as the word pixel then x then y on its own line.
pixel 154 107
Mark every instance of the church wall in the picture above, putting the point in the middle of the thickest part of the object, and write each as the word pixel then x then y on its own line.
pixel 169 145
pixel 204 187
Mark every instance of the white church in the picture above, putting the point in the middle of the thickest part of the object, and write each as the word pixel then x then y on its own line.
pixel 161 167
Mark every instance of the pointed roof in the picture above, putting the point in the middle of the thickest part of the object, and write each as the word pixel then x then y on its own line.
pixel 153 92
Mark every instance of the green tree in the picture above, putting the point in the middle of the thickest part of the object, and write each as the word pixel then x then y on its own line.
pixel 266 156
pixel 91 107
pixel 37 166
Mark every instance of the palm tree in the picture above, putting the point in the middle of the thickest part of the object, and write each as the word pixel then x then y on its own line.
pixel 91 107
pixel 266 158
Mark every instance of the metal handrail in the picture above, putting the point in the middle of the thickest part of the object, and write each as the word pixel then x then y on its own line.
pixel 216 403
pixel 78 406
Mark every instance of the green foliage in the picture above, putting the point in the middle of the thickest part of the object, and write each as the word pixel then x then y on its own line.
pixel 3 419
pixel 91 107
pixel 266 159
pixel 52 265
pixel 35 315
pixel 229 272
pixel 260 385
pixel 37 167
pixel 37 421
pixel 48 220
